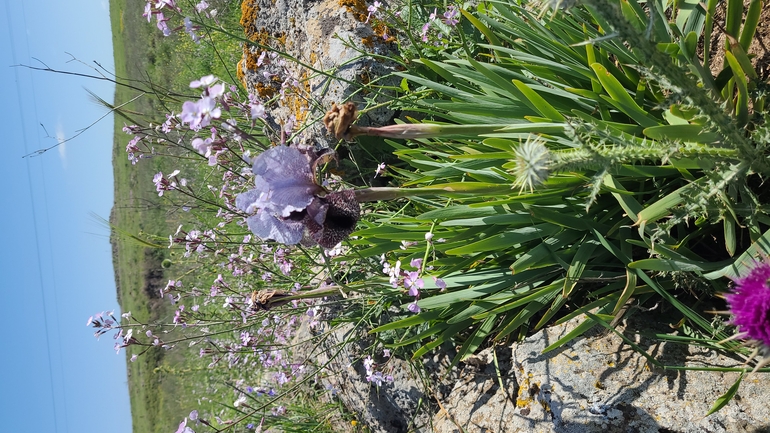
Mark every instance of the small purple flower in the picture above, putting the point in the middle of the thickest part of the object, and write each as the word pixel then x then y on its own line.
pixel 202 146
pixel 413 283
pixel 279 410
pixel 199 114
pixel 380 169
pixel 750 304
pixel 162 26
pixel 206 81
pixel 372 10
pixel 413 307
pixel 148 11
pixel 449 16
pixel 424 31
pixel 441 284
pixel 257 110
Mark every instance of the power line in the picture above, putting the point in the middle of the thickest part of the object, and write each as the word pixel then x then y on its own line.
pixel 50 243
pixel 9 26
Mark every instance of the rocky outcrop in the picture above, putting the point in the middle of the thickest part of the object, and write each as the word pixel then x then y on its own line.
pixel 322 45
pixel 600 384
pixel 595 384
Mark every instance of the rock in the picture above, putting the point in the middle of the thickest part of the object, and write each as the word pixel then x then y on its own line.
pixel 326 40
pixel 599 384
pixel 596 383
pixel 397 406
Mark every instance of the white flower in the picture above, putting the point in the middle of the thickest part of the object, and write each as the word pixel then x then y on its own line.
pixel 532 159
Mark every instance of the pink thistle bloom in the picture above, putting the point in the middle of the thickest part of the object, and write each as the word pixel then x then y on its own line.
pixel 750 304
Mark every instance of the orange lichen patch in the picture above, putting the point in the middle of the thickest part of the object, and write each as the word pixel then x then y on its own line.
pixel 249 10
pixel 264 91
pixel 356 7
pixel 239 72
pixel 250 59
pixel 381 30
pixel 365 77
pixel 528 391
pixel 369 41
pixel 294 100
pixel 261 36
pixel 281 38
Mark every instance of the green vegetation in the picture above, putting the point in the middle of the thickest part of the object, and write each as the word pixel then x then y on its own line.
pixel 139 212
pixel 567 163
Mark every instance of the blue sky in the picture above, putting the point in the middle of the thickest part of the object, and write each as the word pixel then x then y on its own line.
pixel 56 260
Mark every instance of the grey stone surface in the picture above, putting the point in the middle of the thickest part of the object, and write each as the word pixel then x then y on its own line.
pixel 593 384
pixel 393 407
pixel 599 384
pixel 328 39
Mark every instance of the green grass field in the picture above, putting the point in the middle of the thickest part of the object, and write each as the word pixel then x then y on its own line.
pixel 138 210
pixel 144 58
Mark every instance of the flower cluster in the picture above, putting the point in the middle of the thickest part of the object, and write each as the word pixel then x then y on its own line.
pixel 200 113
pixel 449 21
pixel 375 376
pixel 163 183
pixel 410 280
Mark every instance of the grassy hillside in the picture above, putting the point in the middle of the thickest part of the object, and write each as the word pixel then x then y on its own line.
pixel 138 210
pixel 162 66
